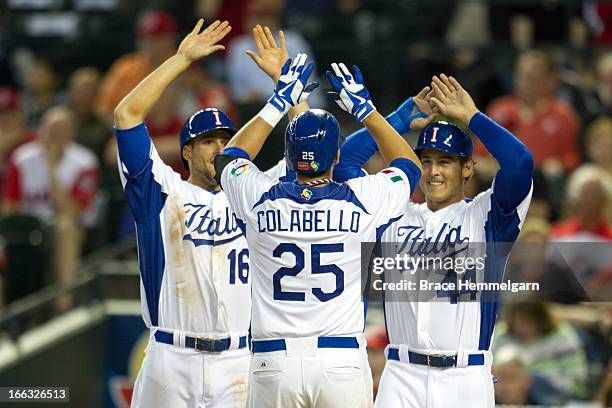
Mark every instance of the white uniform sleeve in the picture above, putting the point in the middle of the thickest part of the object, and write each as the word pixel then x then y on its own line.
pixel 278 170
pixel 243 184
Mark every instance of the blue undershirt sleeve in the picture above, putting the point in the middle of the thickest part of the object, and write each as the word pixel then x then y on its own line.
pixel 236 152
pixel 513 180
pixel 134 146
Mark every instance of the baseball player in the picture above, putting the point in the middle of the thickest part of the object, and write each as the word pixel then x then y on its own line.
pixel 304 239
pixel 194 261
pixel 439 353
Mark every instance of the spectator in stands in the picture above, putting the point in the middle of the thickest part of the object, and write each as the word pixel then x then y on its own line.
pixel 599 143
pixel 516 385
pixel 598 147
pixel 587 202
pixel 156 31
pixel 91 129
pixel 40 93
pixel 12 127
pixel 547 126
pixel 588 256
pixel 248 83
pixel 552 350
pixel 56 180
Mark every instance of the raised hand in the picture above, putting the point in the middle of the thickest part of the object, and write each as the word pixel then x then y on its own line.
pixel 351 94
pixel 271 57
pixel 198 44
pixel 452 100
pixel 293 87
pixel 416 112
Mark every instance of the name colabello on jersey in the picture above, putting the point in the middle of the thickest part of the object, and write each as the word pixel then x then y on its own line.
pixel 308 221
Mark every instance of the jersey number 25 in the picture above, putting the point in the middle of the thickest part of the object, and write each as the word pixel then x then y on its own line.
pixel 315 261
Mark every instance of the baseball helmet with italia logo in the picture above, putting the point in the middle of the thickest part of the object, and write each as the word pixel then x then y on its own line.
pixel 445 137
pixel 312 140
pixel 201 122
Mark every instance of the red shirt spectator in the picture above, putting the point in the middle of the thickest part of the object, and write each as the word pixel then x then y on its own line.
pixel 27 187
pixel 548 132
pixel 548 126
pixel 575 229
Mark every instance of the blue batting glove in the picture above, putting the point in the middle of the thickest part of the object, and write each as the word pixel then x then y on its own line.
pixel 351 95
pixel 293 87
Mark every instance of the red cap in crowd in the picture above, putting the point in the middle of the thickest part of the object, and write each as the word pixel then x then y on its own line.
pixel 156 22
pixel 9 98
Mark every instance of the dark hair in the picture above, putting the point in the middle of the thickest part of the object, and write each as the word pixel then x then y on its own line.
pixel 536 312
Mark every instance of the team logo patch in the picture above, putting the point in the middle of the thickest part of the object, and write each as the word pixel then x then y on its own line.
pixel 306 194
pixel 314 165
pixel 243 168
pixel 392 175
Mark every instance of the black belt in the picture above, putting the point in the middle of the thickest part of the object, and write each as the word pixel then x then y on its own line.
pixel 435 360
pixel 201 343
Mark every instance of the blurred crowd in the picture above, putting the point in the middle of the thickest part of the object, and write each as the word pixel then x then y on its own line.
pixel 542 69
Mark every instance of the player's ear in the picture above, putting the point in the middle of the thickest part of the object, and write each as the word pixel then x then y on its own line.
pixel 186 152
pixel 468 168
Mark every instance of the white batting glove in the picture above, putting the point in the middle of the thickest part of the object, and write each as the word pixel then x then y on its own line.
pixel 351 94
pixel 292 89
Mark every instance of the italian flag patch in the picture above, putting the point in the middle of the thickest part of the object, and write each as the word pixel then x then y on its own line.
pixel 392 175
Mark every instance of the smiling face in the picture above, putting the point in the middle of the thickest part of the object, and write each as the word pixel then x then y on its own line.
pixel 443 178
pixel 200 154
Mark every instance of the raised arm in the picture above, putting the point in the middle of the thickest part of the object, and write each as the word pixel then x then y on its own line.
pixel 413 114
pixel 291 90
pixel 133 109
pixel 271 59
pixel 513 180
pixel 352 96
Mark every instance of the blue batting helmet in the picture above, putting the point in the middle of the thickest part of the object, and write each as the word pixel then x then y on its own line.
pixel 203 121
pixel 445 137
pixel 312 140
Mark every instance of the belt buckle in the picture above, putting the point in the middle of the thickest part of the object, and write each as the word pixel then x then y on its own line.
pixel 429 356
pixel 205 344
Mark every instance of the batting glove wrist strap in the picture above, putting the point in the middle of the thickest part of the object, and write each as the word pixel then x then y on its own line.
pixel 271 114
pixel 407 112
pixel 350 94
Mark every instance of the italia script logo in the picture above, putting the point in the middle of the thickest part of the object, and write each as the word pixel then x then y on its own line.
pixel 205 229
pixel 448 241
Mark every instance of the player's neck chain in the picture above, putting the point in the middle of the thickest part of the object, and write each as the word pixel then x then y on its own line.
pixel 315 183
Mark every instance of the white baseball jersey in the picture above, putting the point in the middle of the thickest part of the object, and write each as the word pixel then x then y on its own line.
pixel 305 246
pixel 445 324
pixel 194 261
